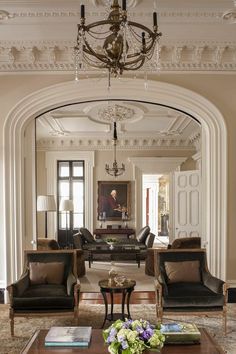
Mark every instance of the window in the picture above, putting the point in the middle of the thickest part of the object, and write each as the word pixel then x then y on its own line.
pixel 70 182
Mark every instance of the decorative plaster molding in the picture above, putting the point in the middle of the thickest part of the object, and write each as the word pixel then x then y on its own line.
pixel 196 140
pixel 165 15
pixel 58 56
pixel 138 143
pixel 5 15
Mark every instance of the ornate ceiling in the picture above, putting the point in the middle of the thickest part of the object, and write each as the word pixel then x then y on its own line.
pixel 40 35
pixel 139 126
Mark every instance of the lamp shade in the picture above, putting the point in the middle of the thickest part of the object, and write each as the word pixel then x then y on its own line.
pixel 46 203
pixel 66 205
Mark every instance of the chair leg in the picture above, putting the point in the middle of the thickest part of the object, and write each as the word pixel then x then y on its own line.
pixel 76 315
pixel 225 320
pixel 12 322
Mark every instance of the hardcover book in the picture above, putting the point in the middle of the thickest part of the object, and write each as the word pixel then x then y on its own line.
pixel 181 333
pixel 68 336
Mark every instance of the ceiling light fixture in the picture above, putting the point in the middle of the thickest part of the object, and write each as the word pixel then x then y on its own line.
pixel 116 44
pixel 115 171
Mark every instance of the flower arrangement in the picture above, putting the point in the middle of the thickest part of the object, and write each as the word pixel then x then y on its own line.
pixel 133 337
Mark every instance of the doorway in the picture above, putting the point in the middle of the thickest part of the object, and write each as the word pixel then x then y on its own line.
pixel 214 161
pixel 155 205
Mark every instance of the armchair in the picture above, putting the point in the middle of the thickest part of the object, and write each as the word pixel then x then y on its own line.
pixel 185 286
pixel 48 286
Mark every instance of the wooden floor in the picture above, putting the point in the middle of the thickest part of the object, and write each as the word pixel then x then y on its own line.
pixel 137 297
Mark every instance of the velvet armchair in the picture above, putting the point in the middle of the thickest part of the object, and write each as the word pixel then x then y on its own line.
pixel 184 285
pixel 47 287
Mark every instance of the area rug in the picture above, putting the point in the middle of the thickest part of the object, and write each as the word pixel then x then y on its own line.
pixel 92 315
pixel 99 270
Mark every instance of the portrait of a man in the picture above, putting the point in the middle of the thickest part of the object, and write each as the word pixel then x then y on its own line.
pixel 113 200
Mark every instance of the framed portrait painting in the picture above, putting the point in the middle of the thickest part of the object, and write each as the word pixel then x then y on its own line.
pixel 114 200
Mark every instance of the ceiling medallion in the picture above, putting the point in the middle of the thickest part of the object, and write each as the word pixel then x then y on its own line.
pixel 115 112
pixel 130 3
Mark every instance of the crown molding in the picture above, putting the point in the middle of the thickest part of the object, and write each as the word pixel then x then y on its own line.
pixel 28 56
pixel 182 15
pixel 138 143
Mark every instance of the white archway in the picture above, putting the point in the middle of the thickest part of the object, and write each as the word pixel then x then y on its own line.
pixel 214 155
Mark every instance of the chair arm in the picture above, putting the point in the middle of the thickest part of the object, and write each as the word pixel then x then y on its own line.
pixel 160 285
pixel 76 292
pixel 213 283
pixel 70 282
pixel 18 288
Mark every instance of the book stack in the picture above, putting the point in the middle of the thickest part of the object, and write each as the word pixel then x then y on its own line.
pixel 68 336
pixel 184 333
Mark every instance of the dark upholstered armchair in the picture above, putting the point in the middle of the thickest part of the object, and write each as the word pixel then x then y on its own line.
pixel 48 286
pixel 184 285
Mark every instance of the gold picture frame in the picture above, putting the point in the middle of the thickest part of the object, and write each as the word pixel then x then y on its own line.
pixel 114 200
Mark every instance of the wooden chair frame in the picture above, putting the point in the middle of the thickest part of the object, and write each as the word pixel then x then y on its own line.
pixel 159 291
pixel 75 310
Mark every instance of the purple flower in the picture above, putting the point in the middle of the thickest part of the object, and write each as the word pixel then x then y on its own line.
pixel 127 324
pixel 124 344
pixel 139 329
pixel 112 336
pixel 145 335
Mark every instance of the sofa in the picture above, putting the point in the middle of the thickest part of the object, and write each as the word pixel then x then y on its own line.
pixel 144 239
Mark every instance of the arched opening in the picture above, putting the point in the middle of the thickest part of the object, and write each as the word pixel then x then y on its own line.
pixel 213 156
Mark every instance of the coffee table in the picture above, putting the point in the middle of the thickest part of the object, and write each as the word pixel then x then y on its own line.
pixel 116 249
pixel 97 346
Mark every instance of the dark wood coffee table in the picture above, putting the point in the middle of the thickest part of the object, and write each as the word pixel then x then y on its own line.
pixel 116 250
pixel 36 346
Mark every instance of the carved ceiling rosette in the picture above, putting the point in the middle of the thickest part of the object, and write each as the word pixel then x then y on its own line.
pixel 130 3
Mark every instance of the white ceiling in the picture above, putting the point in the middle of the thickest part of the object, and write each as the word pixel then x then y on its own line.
pixel 136 119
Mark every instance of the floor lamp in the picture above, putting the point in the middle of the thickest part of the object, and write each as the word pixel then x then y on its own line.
pixel 46 203
pixel 66 205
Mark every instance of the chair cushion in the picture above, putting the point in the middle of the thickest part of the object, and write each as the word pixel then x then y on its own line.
pixel 87 235
pixel 44 297
pixel 46 273
pixel 187 271
pixel 143 234
pixel 194 295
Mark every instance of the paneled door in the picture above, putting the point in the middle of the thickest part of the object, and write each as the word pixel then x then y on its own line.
pixel 187 204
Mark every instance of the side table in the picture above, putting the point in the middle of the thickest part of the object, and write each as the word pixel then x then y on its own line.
pixel 125 289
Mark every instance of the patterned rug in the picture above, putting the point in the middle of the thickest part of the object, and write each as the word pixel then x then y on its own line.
pixel 93 315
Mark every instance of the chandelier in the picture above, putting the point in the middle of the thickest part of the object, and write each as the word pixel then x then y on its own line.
pixel 116 44
pixel 115 170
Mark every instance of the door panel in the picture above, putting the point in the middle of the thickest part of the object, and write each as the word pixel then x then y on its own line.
pixel 187 204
